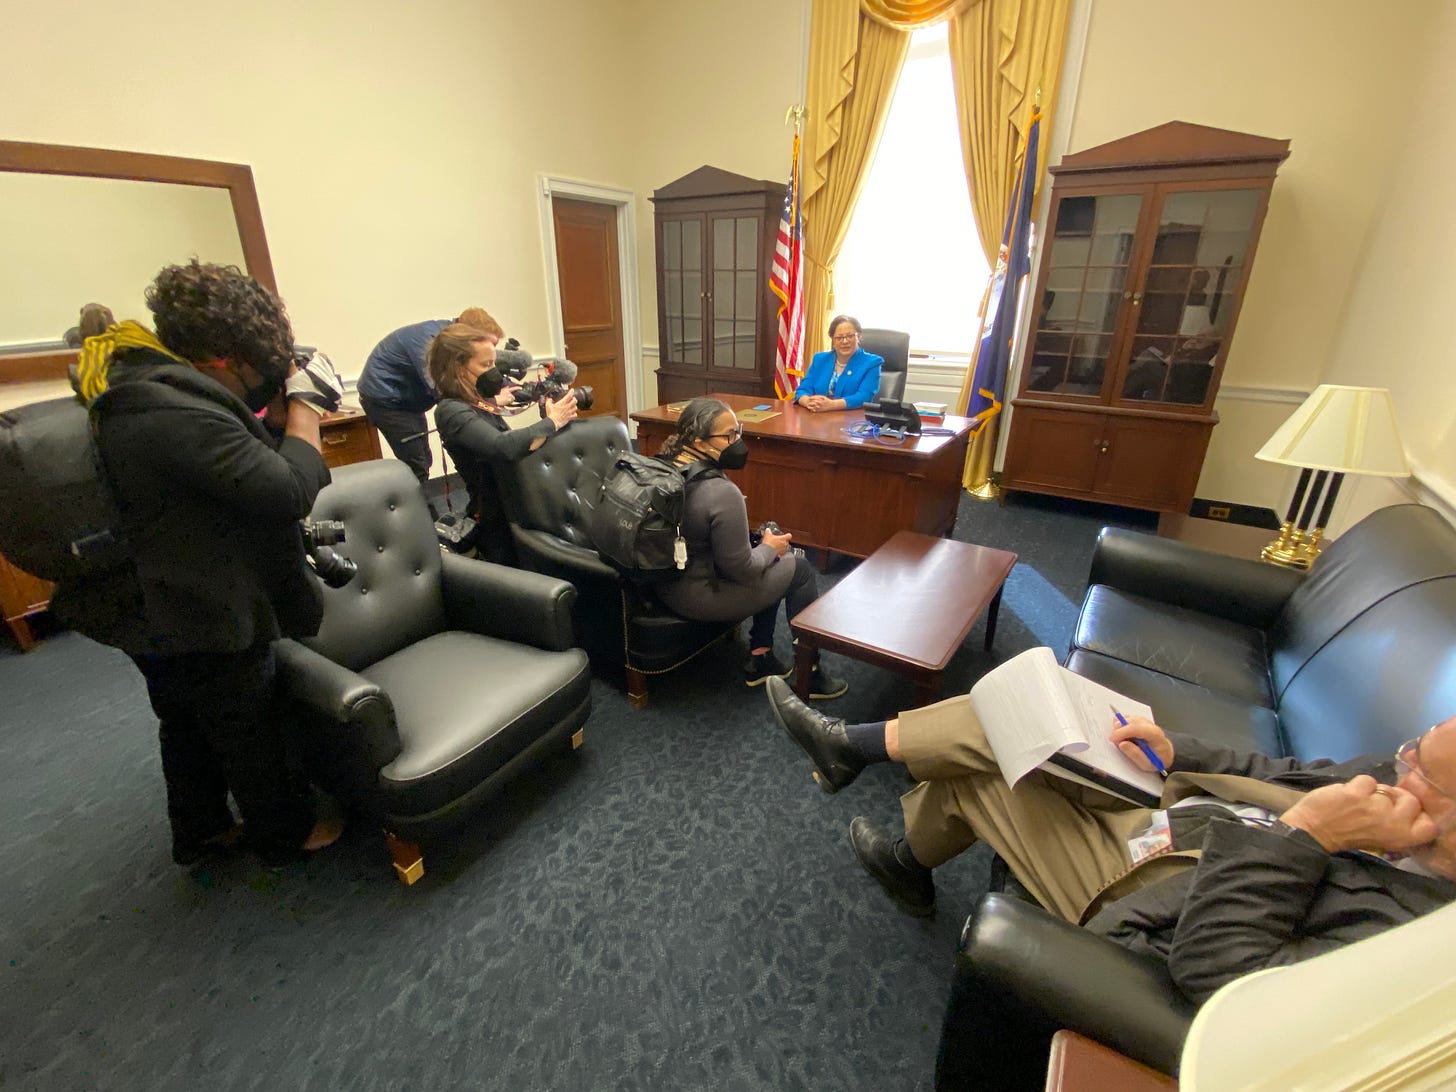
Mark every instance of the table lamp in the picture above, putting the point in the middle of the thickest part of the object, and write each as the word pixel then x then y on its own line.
pixel 1337 431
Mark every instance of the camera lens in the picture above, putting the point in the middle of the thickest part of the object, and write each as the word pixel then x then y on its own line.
pixel 584 398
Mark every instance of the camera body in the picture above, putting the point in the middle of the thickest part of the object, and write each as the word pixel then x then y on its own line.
pixel 332 567
pixel 513 363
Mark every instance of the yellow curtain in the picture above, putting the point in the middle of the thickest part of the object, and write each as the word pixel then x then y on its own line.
pixel 1004 56
pixel 854 62
pixel 912 14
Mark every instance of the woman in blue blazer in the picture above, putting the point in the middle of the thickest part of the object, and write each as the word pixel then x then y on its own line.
pixel 845 377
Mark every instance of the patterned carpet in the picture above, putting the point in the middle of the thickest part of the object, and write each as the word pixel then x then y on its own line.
pixel 674 907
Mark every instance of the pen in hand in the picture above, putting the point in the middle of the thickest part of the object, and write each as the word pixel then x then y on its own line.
pixel 1142 746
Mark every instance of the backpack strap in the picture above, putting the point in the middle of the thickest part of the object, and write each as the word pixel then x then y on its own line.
pixel 699 470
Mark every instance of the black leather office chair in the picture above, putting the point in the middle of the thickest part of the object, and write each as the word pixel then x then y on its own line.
pixel 615 620
pixel 434 678
pixel 894 346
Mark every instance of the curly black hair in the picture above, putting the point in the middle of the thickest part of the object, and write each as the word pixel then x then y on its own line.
pixel 218 312
pixel 694 424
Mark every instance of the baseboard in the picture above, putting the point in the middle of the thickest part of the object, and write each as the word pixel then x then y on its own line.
pixel 1248 515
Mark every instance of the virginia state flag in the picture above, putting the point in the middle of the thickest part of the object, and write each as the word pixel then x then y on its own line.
pixel 1013 263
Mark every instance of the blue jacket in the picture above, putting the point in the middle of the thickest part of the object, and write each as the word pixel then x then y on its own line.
pixel 395 374
pixel 859 383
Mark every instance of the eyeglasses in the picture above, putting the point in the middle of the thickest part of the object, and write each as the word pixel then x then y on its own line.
pixel 845 337
pixel 732 434
pixel 1408 761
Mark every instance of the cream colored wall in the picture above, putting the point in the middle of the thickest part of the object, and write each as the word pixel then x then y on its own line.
pixel 1336 82
pixel 714 79
pixel 1396 330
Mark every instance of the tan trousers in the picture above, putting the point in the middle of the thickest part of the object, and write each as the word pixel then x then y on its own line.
pixel 1063 841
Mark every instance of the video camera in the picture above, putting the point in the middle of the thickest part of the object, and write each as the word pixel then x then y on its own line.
pixel 332 567
pixel 557 375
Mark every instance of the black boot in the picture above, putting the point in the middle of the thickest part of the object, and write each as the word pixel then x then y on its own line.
pixel 836 763
pixel 904 879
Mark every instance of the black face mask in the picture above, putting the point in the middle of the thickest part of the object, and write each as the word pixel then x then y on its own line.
pixel 257 397
pixel 489 383
pixel 734 456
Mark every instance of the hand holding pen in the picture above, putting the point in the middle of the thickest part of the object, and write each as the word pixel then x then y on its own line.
pixel 1143 742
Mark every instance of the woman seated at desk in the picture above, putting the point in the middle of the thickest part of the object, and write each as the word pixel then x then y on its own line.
pixel 844 377
pixel 475 434
pixel 727 578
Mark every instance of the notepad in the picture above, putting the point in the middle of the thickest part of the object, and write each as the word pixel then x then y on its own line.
pixel 754 415
pixel 1039 715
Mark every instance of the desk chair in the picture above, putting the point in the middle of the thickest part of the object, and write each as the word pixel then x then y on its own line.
pixel 434 678
pixel 894 346
pixel 615 620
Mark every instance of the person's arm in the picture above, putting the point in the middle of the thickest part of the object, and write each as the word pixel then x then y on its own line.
pixel 733 557
pixel 866 387
pixel 1197 756
pixel 486 435
pixel 813 380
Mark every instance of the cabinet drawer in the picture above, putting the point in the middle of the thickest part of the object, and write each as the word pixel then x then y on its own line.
pixel 348 439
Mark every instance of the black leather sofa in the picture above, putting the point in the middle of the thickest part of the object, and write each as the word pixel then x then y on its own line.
pixel 1353 657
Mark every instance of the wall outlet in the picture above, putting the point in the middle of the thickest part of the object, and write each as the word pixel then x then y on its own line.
pixel 1217 511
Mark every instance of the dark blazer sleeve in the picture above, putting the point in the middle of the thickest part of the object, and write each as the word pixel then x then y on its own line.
pixel 209 450
pixel 485 434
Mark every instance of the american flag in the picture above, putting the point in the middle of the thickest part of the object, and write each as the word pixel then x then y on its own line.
pixel 786 281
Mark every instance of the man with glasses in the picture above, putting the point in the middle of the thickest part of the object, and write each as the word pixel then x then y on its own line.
pixel 1254 862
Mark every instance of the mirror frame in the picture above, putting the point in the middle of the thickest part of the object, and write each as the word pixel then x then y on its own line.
pixel 19 157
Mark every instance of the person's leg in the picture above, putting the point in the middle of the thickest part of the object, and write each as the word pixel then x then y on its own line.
pixel 838 751
pixel 802 590
pixel 406 433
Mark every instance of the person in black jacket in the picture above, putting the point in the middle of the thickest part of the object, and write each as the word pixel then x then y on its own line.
pixel 210 502
pixel 476 435
pixel 1255 862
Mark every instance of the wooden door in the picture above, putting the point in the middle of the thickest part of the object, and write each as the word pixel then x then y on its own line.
pixel 591 299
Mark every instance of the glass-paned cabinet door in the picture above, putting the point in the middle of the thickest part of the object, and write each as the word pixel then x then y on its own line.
pixel 1196 270
pixel 682 286
pixel 735 292
pixel 1083 293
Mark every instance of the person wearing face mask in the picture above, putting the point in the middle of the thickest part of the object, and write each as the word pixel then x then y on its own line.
pixel 476 435
pixel 727 578
pixel 209 500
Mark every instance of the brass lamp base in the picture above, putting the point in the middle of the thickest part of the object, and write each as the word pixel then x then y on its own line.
pixel 988 490
pixel 1293 549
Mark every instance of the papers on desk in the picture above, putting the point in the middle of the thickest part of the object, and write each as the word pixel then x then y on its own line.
pixel 1038 715
pixel 752 415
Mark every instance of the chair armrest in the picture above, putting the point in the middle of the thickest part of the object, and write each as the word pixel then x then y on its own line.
pixel 1022 974
pixel 344 712
pixel 1249 592
pixel 512 604
pixel 560 557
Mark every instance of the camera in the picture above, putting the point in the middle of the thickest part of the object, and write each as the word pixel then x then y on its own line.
pixel 540 390
pixel 332 567
pixel 555 380
pixel 756 535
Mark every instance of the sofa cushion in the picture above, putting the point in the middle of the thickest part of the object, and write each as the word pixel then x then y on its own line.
pixel 1182 706
pixel 504 697
pixel 1212 653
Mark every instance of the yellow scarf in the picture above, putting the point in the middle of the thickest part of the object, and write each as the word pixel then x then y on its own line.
pixel 97 353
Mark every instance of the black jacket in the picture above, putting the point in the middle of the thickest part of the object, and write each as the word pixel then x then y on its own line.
pixel 209 503
pixel 1264 896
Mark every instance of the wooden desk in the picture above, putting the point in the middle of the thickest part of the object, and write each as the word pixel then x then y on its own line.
pixel 348 437
pixel 908 608
pixel 1220 536
pixel 832 491
pixel 1079 1064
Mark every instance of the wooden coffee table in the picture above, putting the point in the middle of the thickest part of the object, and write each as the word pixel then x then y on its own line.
pixel 907 607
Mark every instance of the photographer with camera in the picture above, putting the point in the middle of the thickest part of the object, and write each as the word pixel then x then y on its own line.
pixel 473 429
pixel 210 504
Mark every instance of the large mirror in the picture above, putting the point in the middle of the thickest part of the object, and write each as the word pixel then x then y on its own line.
pixel 83 225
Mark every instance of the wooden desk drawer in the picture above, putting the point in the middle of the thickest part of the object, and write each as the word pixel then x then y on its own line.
pixel 348 438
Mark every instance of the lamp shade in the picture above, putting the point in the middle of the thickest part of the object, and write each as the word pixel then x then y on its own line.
pixel 1350 430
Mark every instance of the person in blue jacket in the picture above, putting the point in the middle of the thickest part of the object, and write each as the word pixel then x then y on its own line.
pixel 395 388
pixel 845 377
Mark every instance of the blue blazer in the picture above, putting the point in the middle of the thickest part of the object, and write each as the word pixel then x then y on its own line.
pixel 859 383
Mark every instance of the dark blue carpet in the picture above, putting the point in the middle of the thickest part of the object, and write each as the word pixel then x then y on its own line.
pixel 674 907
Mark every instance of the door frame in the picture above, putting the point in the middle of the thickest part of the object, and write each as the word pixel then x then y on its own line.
pixel 625 203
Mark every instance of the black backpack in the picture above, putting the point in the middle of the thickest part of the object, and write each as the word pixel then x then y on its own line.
pixel 636 523
pixel 60 519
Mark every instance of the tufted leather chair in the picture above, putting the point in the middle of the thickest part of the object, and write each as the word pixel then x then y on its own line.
pixel 894 346
pixel 543 495
pixel 434 678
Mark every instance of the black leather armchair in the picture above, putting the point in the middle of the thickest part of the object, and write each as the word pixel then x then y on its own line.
pixel 894 346
pixel 434 678
pixel 544 494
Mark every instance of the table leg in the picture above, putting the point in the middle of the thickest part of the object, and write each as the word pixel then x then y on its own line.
pixel 23 637
pixel 803 666
pixel 991 612
pixel 927 689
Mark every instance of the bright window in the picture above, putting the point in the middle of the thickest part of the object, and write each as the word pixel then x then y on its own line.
pixel 912 260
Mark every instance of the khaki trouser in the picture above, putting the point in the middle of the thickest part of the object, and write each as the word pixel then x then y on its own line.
pixel 1064 841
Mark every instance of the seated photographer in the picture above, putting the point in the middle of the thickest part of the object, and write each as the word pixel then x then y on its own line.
pixel 395 388
pixel 844 377
pixel 474 430
pixel 727 578
pixel 209 502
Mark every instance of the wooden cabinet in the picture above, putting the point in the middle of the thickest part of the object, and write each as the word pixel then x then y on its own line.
pixel 1141 280
pixel 22 595
pixel 716 318
pixel 347 437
